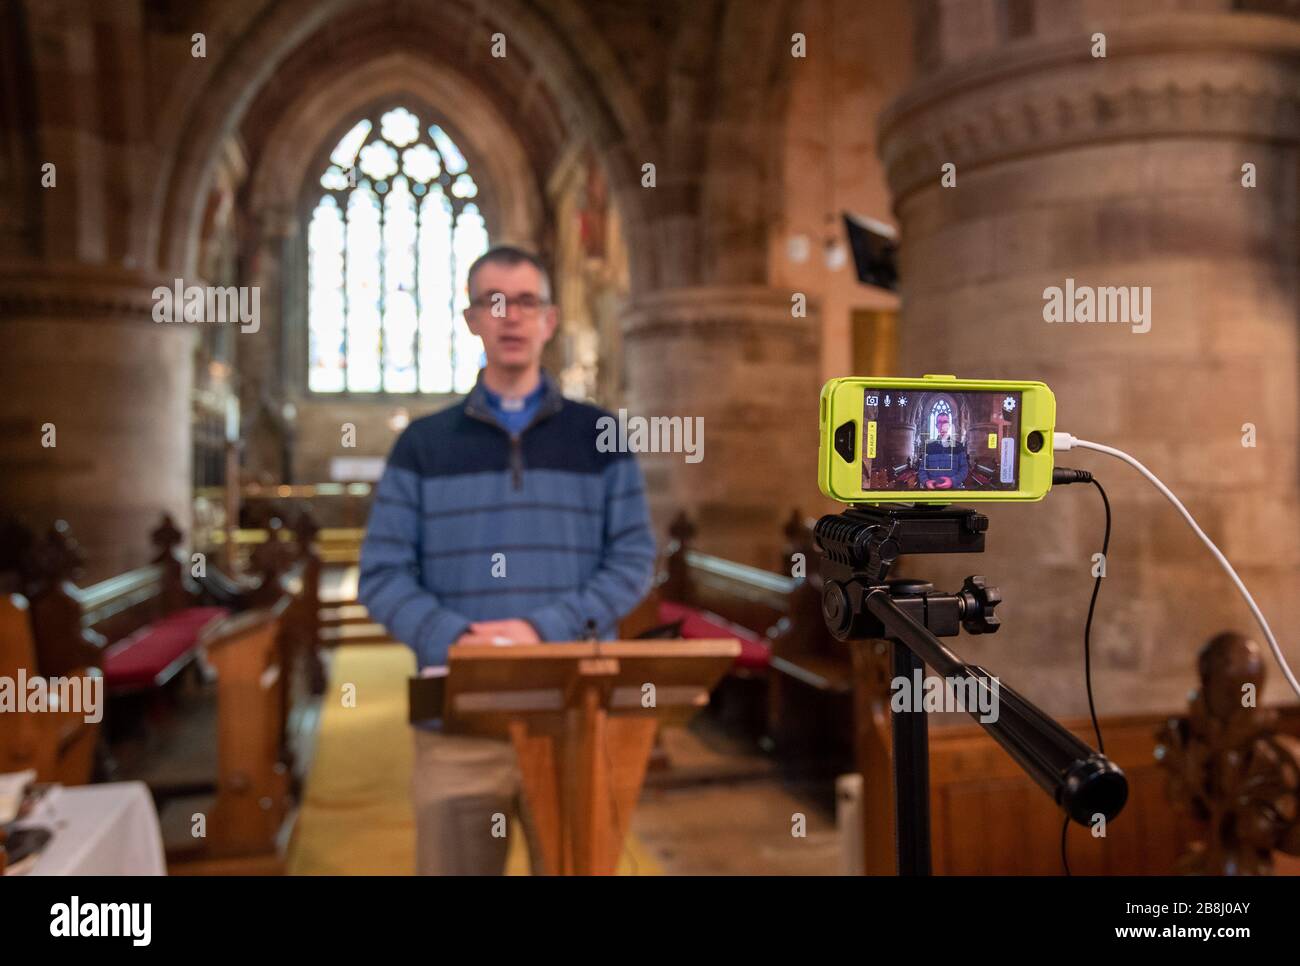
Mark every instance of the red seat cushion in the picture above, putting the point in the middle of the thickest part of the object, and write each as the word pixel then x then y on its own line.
pixel 195 617
pixel 138 660
pixel 698 624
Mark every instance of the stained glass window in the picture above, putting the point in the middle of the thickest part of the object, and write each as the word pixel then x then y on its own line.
pixel 940 407
pixel 389 246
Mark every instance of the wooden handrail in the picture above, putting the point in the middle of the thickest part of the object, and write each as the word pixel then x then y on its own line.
pixel 769 588
pixel 113 595
pixel 277 491
pixel 257 535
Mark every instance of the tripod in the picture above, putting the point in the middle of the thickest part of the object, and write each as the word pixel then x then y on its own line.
pixel 861 603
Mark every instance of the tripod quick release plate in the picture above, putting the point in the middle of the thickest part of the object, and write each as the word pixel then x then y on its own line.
pixel 863 542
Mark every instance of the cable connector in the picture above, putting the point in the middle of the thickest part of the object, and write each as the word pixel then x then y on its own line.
pixel 1062 475
pixel 1064 441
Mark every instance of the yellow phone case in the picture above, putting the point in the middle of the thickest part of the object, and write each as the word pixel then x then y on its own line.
pixel 842 401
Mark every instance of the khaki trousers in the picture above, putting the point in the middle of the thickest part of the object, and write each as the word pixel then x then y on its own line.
pixel 465 790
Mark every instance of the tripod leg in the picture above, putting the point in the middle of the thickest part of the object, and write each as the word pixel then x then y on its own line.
pixel 911 772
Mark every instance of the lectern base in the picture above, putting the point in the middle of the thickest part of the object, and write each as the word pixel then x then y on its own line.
pixel 582 782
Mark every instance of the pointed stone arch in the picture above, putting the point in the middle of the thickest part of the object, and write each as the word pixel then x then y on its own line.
pixel 318 116
pixel 567 58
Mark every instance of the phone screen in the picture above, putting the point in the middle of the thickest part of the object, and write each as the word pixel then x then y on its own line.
pixel 936 440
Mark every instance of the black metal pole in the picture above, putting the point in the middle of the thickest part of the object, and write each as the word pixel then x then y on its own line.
pixel 911 772
pixel 1084 783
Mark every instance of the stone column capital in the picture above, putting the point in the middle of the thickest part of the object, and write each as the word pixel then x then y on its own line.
pixel 75 290
pixel 1163 76
pixel 733 311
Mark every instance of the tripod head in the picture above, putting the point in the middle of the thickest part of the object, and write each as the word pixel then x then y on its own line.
pixel 860 601
pixel 861 545
pixel 865 541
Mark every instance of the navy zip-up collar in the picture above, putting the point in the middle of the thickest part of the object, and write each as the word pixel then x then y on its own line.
pixel 476 404
pixel 476 407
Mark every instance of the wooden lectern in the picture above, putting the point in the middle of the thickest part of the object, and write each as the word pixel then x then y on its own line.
pixel 582 718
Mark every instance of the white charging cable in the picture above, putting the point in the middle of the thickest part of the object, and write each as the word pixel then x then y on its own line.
pixel 1064 441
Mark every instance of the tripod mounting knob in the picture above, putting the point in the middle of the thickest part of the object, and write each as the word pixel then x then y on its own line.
pixel 837 609
pixel 978 602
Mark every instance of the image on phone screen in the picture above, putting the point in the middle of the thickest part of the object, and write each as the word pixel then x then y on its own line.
pixel 935 440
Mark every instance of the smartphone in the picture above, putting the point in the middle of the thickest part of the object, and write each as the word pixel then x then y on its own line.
pixel 937 439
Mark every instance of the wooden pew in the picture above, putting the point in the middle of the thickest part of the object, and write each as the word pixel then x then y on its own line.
pixel 810 700
pixel 58 744
pixel 803 702
pixel 254 654
pixel 285 577
pixel 303 618
pixel 269 562
pixel 75 626
pixel 285 561
pixel 141 627
pixel 259 655
pixel 698 595
pixel 246 826
pixel 747 596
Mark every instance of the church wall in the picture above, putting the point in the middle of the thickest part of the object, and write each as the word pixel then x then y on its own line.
pixel 856 64
pixel 709 332
pixel 1125 171
pixel 320 428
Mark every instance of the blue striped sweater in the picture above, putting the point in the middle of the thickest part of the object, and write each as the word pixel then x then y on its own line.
pixel 471 523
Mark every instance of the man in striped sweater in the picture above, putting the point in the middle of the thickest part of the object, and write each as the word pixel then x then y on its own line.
pixel 499 519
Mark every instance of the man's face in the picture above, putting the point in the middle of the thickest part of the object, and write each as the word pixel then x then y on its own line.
pixel 509 310
pixel 941 421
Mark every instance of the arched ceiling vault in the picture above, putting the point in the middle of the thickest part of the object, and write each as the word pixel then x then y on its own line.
pixel 268 74
pixel 692 86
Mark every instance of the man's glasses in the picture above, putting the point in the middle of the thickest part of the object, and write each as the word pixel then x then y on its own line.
pixel 498 305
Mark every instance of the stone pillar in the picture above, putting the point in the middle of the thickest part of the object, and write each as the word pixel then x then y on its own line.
pixel 737 357
pixel 1125 170
pixel 269 358
pixel 79 352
